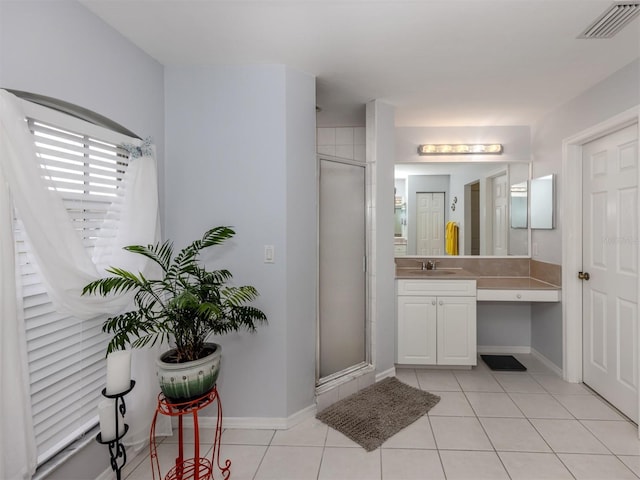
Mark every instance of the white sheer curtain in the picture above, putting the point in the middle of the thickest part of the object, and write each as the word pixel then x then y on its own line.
pixel 66 268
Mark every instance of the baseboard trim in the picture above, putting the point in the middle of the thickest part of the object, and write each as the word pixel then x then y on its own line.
pixel 255 423
pixel 387 373
pixel 546 362
pixel 503 350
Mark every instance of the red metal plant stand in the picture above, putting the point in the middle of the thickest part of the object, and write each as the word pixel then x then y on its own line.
pixel 197 467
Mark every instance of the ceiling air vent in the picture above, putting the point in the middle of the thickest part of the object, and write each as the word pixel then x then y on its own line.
pixel 612 20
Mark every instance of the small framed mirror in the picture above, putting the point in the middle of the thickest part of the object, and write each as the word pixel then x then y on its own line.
pixel 542 202
pixel 518 196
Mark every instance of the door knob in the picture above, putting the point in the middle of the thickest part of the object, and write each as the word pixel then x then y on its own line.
pixel 584 276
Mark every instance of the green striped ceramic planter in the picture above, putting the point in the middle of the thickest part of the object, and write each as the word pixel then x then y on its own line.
pixel 182 382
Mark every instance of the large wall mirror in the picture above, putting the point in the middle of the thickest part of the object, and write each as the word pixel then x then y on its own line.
pixel 487 201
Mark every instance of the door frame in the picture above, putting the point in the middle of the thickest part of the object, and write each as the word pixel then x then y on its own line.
pixel 571 198
pixel 330 381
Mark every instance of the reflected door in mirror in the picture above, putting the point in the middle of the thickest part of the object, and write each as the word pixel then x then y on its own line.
pixel 430 223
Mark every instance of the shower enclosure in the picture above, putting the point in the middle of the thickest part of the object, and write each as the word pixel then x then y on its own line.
pixel 342 241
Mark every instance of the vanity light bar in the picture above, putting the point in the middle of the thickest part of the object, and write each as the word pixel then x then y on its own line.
pixel 459 149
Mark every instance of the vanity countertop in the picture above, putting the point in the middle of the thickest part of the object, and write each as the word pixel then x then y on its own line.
pixel 415 273
pixel 483 282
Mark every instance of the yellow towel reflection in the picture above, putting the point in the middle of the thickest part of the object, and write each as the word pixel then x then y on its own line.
pixel 451 243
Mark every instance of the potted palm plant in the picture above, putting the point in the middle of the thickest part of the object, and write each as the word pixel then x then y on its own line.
pixel 184 307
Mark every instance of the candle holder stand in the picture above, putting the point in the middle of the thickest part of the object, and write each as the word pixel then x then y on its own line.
pixel 117 452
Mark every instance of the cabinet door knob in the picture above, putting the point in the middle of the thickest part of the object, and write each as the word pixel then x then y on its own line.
pixel 433 302
pixel 518 296
pixel 441 302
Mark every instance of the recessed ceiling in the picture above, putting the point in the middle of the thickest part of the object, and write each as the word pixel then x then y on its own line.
pixel 439 62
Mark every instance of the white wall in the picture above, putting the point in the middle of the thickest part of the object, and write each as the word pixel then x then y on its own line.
pixel 380 137
pixel 301 240
pixel 241 152
pixel 61 50
pixel 503 324
pixel 613 95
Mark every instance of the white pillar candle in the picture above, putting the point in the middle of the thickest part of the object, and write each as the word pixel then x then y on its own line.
pixel 118 372
pixel 107 415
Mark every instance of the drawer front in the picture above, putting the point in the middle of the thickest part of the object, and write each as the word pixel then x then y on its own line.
pixel 519 295
pixel 399 250
pixel 451 288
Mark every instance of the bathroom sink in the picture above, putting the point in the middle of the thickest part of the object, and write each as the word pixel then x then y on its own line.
pixel 430 273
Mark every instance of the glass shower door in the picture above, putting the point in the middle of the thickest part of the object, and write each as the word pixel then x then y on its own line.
pixel 342 251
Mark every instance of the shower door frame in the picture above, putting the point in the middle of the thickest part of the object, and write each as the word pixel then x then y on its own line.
pixel 328 382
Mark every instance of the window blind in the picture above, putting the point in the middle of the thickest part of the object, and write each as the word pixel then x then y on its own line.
pixel 66 355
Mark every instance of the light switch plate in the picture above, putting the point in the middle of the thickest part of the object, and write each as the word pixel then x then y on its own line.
pixel 269 254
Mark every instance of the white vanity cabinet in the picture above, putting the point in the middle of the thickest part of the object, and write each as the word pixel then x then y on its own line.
pixel 436 322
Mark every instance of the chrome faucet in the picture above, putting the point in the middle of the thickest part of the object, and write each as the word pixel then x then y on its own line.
pixel 428 265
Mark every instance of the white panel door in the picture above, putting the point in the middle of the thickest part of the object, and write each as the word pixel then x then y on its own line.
pixel 417 330
pixel 430 223
pixel 500 215
pixel 342 247
pixel 610 257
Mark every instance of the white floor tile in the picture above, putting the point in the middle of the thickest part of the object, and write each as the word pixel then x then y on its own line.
pixel 485 422
pixel 134 462
pixel 533 364
pixel 188 435
pixel 244 459
pixel 337 439
pixel 402 464
pixel 568 436
pixel 453 404
pixel 588 407
pixel 487 404
pixel 514 434
pixel 438 380
pixel 540 405
pixel 554 384
pixel 633 462
pixel 619 437
pixel 461 465
pixel 241 436
pixel 408 376
pixel 515 383
pixel 350 463
pixel 167 453
pixel 459 433
pixel 534 466
pixel 478 382
pixel 290 463
pixel 309 433
pixel 481 366
pixel 596 467
pixel 418 435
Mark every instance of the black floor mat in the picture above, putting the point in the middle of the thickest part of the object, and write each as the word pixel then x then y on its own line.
pixel 503 362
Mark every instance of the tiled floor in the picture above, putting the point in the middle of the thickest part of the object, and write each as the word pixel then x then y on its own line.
pixel 519 425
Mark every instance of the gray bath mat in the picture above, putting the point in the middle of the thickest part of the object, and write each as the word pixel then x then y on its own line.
pixel 378 412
